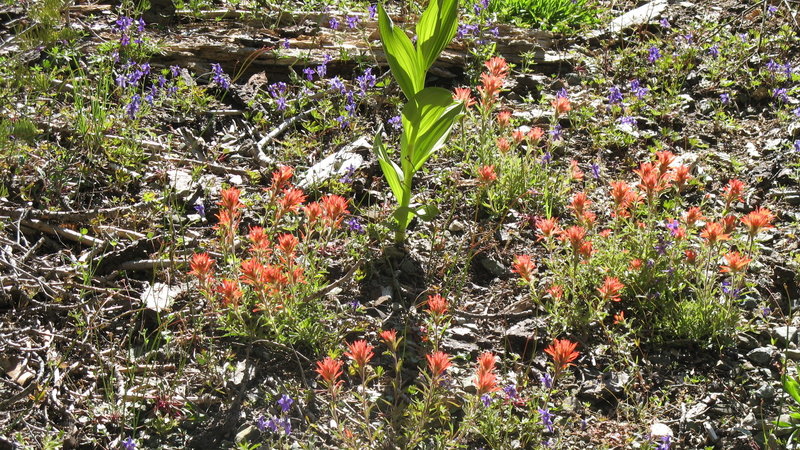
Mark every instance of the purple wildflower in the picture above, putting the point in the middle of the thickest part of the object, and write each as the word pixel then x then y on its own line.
pixel 322 70
pixel 366 81
pixel 140 24
pixel 200 209
pixel 614 95
pixel 338 85
pixel 285 402
pixel 766 311
pixel 653 54
pixel 714 51
pixel 797 145
pixel 780 94
pixel 396 122
pixel 557 132
pixel 665 443
pixel 787 69
pixel 772 66
pixel 133 106
pixel 673 226
pixel 285 43
pixel 373 11
pixel 772 9
pixel 122 81
pixel 665 23
pixel 725 98
pixel 219 76
pixel 562 93
pixel 638 90
pixel 355 225
pixel 547 419
pixel 343 122
pixel 511 391
pixel 309 73
pixel 627 120
pixel 124 40
pixel 595 170
pixel 333 23
pixel 352 22
pixel 261 424
pixel 175 70
pixel 547 380
pixel 796 111
pixel 486 399
pixel 347 178
pixel 546 158
pixel 354 305
pixel 129 444
pixel 123 23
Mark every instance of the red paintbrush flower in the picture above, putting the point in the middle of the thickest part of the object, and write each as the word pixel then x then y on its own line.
pixel 464 95
pixel 563 353
pixel 735 262
pixel 438 362
pixel 330 370
pixel 360 352
pixel 524 267
pixel 758 220
pixel 610 289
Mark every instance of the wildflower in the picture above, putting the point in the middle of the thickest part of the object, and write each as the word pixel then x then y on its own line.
pixel 797 142
pixel 352 22
pixel 437 305
pixel 563 353
pixel 547 227
pixel 366 81
pixel 504 118
pixel 497 67
pixel 287 243
pixel 713 233
pixel 628 120
pixel 535 134
pixel 200 209
pixel 575 172
pixel 575 236
pixel 486 399
pixel 229 289
pixel 546 380
pixel 133 107
pixel 202 267
pixel 438 362
pixel 511 391
pixel 735 262
pixel 546 158
pixel 638 90
pixel 313 213
pixel 586 249
pixel 389 337
pixel 757 220
pixel 595 170
pixel 333 23
pixel 129 444
pixel 334 207
pixel 781 94
pixel 614 95
pixel 610 289
pixel 623 197
pixel 355 225
pixel 463 95
pixel 360 352
pixel 714 51
pixel 693 215
pixel 725 98
pixel 524 267
pixel 373 11
pixel 489 88
pixel 396 122
pixel 219 76
pixel 518 136
pixel 557 133
pixel 503 145
pixel 486 175
pixel 691 256
pixel 485 378
pixel 555 291
pixel 561 105
pixel 261 424
pixel 309 72
pixel 653 54
pixel 732 191
pixel 635 264
pixel 292 199
pixel 664 23
pixel 729 223
pixel 579 202
pixel 229 199
pixel 681 176
pixel 619 318
pixel 285 402
pixel 665 443
pixel 547 419
pixel 330 370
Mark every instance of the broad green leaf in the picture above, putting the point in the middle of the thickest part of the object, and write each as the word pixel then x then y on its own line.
pixel 435 30
pixel 426 213
pixel 427 121
pixel 401 54
pixel 791 386
pixel 393 174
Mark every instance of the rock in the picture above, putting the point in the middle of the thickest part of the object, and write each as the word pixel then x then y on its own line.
pixel 339 164
pixel 712 435
pixel 159 296
pixel 761 355
pixel 181 181
pixel 609 388
pixel 519 335
pixel 784 334
pixel 161 12
pixel 248 433
pixel 793 354
pixel 659 430
pixel 637 17
pixel 491 265
pixel 746 341
pixel 456 226
pixel 765 392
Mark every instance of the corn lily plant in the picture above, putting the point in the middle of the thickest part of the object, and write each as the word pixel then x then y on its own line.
pixel 429 113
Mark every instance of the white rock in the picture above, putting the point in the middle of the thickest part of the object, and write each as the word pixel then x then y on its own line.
pixel 660 430
pixel 639 16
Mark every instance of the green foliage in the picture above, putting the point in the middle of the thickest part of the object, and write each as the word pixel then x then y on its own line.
pixel 553 15
pixel 430 113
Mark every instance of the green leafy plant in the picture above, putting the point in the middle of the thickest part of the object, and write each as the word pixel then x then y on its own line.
pixel 792 387
pixel 553 15
pixel 429 114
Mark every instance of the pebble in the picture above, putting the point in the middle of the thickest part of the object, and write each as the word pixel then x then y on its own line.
pixel 761 356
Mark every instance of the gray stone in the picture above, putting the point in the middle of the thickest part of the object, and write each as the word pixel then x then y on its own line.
pixel 456 226
pixel 784 334
pixel 518 335
pixel 159 297
pixel 638 16
pixel 337 164
pixel 181 181
pixel 746 341
pixel 761 355
pixel 793 354
pixel 491 265
pixel 766 392
pixel 247 433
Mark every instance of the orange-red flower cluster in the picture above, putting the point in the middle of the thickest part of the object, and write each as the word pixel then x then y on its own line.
pixel 202 267
pixel 714 232
pixel 492 81
pixel 485 378
pixel 563 353
pixel 486 175
pixel 464 95
pixel 330 370
pixel 437 305
pixel 438 362
pixel 360 352
pixel 758 220
pixel 735 262
pixel 732 191
pixel 623 197
pixel 610 289
pixel 547 227
pixel 524 267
